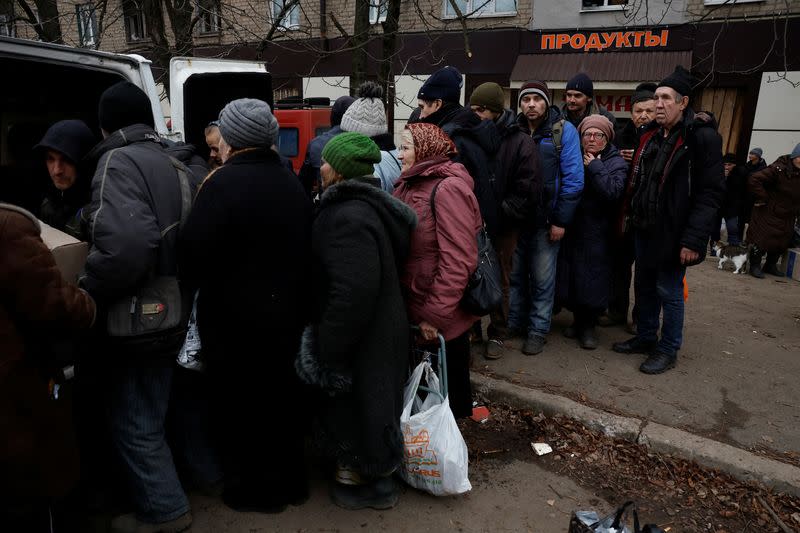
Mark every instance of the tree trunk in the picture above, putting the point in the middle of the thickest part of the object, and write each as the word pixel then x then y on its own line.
pixel 156 30
pixel 389 42
pixel 181 19
pixel 359 44
pixel 48 26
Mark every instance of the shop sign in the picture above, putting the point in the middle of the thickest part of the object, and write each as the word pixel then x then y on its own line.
pixel 600 41
pixel 614 104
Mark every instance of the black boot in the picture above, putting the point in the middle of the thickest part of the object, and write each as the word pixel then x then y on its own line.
pixel 771 265
pixel 755 263
pixel 587 338
pixel 381 493
pixel 634 345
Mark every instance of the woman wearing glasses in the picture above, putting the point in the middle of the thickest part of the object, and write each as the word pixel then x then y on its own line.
pixel 584 265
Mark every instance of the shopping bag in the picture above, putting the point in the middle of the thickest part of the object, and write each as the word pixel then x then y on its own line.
pixel 189 356
pixel 617 522
pixel 435 456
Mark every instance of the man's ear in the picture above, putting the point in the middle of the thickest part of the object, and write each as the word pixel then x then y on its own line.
pixel 684 102
pixel 438 104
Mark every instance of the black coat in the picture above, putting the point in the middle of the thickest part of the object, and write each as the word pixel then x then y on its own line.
pixel 246 247
pixel 691 194
pixel 518 182
pixel 735 192
pixel 584 268
pixel 356 349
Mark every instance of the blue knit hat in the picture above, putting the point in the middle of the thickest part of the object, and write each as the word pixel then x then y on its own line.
pixel 796 151
pixel 444 84
pixel 581 82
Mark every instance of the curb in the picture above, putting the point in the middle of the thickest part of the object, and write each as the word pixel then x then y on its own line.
pixel 741 464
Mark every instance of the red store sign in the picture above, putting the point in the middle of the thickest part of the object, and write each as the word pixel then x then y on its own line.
pixel 602 40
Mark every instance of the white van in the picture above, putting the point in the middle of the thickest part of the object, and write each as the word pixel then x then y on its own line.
pixel 45 83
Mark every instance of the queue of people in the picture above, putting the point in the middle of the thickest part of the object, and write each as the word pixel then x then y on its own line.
pixel 304 309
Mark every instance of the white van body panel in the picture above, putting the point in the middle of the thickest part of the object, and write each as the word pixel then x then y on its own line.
pixel 182 68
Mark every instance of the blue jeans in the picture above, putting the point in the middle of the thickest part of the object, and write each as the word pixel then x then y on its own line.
pixel 533 282
pixel 732 227
pixel 660 289
pixel 139 401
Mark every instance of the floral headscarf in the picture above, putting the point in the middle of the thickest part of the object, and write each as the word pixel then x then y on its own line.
pixel 430 142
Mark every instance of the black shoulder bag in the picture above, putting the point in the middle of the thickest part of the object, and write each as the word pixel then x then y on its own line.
pixel 158 306
pixel 483 293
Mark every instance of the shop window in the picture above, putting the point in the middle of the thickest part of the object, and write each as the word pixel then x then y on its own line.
pixel 134 21
pixel 291 17
pixel 481 8
pixel 378 10
pixel 209 13
pixel 87 24
pixel 595 5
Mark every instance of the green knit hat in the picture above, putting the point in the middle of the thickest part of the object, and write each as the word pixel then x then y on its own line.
pixel 352 155
pixel 489 95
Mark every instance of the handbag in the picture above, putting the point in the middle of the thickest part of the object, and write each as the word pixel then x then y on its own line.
pixel 483 293
pixel 158 305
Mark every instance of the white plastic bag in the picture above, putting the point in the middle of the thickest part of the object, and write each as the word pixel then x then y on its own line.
pixel 188 356
pixel 435 457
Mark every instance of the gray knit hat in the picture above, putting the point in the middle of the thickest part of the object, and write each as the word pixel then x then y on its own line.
pixel 248 123
pixel 367 114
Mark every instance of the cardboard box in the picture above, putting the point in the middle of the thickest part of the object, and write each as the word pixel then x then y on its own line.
pixel 69 253
pixel 793 263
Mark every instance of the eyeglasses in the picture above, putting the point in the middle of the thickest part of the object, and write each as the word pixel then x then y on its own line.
pixel 592 135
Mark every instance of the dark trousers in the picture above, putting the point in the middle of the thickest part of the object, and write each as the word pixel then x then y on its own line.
pixel 585 317
pixel 459 387
pixel 623 257
pixel 505 244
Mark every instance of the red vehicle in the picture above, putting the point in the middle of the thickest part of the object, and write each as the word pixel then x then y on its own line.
pixel 301 121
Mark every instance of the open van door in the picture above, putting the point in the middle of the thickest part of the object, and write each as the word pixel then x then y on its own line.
pixel 200 88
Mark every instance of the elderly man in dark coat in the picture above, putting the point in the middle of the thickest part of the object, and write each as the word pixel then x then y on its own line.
pixel 584 268
pixel 246 248
pixel 356 349
pixel 777 203
pixel 677 183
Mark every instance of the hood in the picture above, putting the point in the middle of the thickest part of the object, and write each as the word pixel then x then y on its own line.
pixel 181 151
pixel 507 123
pixel 439 167
pixel 398 218
pixel 609 151
pixel 385 142
pixel 485 134
pixel 450 117
pixel 123 137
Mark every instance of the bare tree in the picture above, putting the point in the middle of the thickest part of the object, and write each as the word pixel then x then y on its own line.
pixel 44 21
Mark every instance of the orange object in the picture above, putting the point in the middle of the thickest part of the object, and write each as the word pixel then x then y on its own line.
pixel 685 290
pixel 480 414
pixel 298 127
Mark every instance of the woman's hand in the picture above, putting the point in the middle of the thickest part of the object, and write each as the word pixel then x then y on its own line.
pixel 588 158
pixel 428 331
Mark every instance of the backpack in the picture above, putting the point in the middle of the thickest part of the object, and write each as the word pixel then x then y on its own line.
pixel 483 293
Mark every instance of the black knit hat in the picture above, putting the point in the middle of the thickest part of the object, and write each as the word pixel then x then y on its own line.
pixel 581 82
pixel 73 138
pixel 643 92
pixel 124 104
pixel 339 107
pixel 681 80
pixel 729 158
pixel 444 84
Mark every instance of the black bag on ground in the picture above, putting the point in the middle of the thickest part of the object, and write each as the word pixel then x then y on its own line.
pixel 159 305
pixel 483 293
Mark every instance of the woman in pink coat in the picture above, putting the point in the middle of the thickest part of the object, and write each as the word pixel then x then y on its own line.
pixel 444 250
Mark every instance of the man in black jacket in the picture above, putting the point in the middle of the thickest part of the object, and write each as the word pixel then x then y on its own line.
pixel 518 187
pixel 677 183
pixel 135 211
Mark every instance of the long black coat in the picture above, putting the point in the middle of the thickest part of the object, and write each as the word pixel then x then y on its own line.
pixel 356 349
pixel 691 193
pixel 584 268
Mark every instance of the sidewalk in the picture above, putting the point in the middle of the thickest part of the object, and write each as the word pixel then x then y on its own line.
pixel 737 375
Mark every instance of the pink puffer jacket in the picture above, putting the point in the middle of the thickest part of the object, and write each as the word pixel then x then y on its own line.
pixel 444 252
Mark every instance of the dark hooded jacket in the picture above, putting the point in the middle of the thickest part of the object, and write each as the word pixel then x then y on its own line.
pixel 477 143
pixel 562 173
pixel 584 265
pixel 136 199
pixel 187 154
pixel 690 191
pixel 67 210
pixel 519 180
pixel 356 349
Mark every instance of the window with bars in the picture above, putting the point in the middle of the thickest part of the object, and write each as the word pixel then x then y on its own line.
pixel 378 10
pixel 291 17
pixel 135 29
pixel 481 8
pixel 87 24
pixel 209 16
pixel 590 5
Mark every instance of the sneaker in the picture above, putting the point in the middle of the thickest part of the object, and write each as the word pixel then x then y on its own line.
pixel 128 523
pixel 634 345
pixel 658 363
pixel 587 338
pixel 534 344
pixel 495 348
pixel 382 493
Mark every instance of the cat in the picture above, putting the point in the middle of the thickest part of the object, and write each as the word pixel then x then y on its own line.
pixel 735 253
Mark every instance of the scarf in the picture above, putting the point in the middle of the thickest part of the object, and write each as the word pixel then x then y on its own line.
pixel 430 141
pixel 649 174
